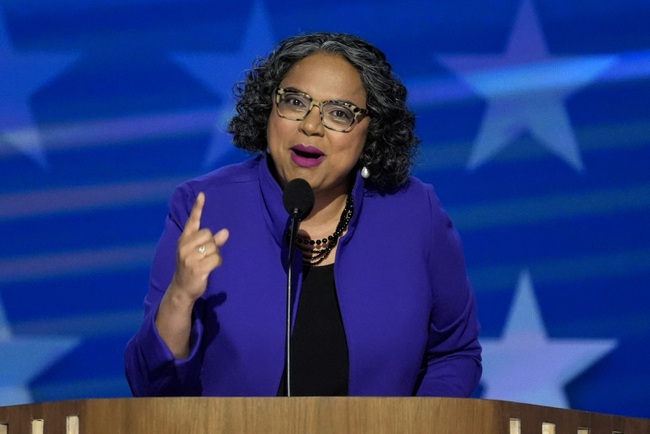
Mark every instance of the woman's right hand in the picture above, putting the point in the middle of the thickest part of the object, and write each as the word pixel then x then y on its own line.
pixel 198 254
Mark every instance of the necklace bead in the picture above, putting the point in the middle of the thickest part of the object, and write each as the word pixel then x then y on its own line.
pixel 312 254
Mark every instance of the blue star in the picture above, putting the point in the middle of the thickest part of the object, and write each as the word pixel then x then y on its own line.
pixel 20 76
pixel 525 365
pixel 23 358
pixel 526 88
pixel 221 71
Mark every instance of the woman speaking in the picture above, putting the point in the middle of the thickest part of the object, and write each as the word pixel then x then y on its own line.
pixel 382 303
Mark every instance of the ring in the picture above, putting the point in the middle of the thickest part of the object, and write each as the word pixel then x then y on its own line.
pixel 202 250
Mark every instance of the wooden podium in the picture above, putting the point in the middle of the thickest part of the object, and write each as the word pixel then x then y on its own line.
pixel 306 415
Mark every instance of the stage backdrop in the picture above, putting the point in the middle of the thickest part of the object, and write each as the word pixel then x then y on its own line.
pixel 535 120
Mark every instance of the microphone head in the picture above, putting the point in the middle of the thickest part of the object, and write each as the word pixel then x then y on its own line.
pixel 298 198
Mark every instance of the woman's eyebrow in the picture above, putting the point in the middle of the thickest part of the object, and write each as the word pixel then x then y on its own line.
pixel 295 89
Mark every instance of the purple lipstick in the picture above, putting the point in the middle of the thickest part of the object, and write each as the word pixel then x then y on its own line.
pixel 306 156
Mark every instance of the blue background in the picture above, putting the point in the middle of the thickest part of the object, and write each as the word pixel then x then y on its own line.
pixel 535 120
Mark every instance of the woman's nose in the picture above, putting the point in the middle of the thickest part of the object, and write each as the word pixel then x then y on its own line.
pixel 312 124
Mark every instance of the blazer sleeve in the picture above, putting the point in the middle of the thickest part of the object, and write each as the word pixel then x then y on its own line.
pixel 150 367
pixel 452 365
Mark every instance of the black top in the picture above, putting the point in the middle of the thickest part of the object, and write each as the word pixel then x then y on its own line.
pixel 319 350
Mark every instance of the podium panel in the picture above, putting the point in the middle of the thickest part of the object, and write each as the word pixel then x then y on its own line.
pixel 320 415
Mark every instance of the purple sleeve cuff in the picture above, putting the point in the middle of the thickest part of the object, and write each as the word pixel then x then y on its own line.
pixel 151 368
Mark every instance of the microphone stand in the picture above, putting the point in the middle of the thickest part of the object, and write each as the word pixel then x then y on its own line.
pixel 293 231
pixel 298 199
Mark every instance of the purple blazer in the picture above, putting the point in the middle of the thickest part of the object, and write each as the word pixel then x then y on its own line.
pixel 407 305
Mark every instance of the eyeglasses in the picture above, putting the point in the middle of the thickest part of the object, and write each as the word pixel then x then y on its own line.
pixel 335 115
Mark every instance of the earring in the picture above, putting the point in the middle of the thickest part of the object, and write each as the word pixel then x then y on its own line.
pixel 365 173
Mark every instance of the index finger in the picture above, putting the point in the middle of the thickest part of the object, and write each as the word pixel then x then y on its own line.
pixel 193 223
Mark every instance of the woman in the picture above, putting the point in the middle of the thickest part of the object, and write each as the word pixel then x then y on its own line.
pixel 383 304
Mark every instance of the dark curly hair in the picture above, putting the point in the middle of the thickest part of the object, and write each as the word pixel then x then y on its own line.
pixel 390 146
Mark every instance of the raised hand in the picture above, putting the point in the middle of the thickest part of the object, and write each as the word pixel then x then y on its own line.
pixel 198 254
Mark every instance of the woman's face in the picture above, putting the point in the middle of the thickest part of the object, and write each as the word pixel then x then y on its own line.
pixel 306 149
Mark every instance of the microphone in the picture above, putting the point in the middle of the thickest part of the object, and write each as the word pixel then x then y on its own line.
pixel 298 198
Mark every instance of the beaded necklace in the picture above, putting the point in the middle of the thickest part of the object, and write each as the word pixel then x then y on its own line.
pixel 316 251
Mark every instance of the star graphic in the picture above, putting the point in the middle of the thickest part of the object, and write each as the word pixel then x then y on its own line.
pixel 23 358
pixel 220 71
pixel 526 88
pixel 525 365
pixel 20 76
